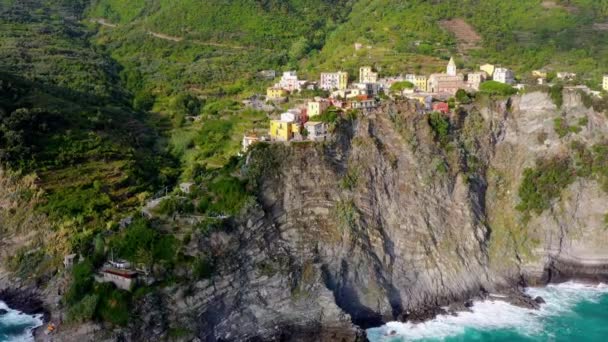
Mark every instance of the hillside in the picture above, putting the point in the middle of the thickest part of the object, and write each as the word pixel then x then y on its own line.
pixel 120 137
pixel 68 128
pixel 524 35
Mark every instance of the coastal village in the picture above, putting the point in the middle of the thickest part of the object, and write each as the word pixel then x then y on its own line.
pixel 431 93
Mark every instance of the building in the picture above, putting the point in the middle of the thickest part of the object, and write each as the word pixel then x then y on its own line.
pixel 248 140
pixel 366 75
pixel 123 279
pixel 566 76
pixel 315 108
pixel 280 130
pixel 605 83
pixel 275 93
pixel 441 107
pixel 419 81
pixel 503 75
pixel 292 115
pixel 369 89
pixel 475 79
pixel 334 80
pixel 363 103
pixel 317 131
pixel 488 69
pixel 539 74
pixel 289 81
pixel 447 83
pixel 451 69
pixel 287 127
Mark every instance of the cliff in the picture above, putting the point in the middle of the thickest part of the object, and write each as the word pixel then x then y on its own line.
pixel 391 220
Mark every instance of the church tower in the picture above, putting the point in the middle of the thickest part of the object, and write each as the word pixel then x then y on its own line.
pixel 451 67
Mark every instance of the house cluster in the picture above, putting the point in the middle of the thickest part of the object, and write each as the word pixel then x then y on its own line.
pixel 430 91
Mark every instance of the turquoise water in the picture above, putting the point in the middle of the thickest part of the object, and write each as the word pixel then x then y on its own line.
pixel 573 312
pixel 16 326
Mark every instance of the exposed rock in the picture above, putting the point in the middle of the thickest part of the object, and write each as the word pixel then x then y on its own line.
pixel 3 312
pixel 387 223
pixel 539 300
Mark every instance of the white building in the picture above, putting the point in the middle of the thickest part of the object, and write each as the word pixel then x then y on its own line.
pixel 289 81
pixel 474 79
pixel 566 76
pixel 369 89
pixel 334 80
pixel 317 131
pixel 366 75
pixel 365 105
pixel 503 75
pixel 451 69
pixel 291 116
pixel 123 279
pixel 605 83
pixel 248 140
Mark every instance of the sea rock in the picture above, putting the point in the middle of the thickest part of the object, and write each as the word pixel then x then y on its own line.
pixel 3 312
pixel 539 300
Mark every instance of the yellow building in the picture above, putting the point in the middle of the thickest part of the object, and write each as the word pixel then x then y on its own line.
pixel 274 93
pixel 605 83
pixel 539 74
pixel 421 82
pixel 488 69
pixel 317 108
pixel 283 130
pixel 366 75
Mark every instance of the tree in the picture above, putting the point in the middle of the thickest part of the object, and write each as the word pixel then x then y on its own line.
pixel 299 48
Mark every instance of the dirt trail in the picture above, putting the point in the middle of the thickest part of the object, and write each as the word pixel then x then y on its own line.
pixel 103 22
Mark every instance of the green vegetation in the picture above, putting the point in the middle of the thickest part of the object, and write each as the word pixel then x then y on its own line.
pixel 562 128
pixel 557 95
pixel 400 86
pixel 440 126
pixel 543 184
pixel 497 88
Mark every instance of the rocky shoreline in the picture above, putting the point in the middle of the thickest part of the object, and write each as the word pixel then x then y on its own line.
pixel 25 300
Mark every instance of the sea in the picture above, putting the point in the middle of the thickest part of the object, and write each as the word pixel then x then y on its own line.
pixel 573 312
pixel 16 326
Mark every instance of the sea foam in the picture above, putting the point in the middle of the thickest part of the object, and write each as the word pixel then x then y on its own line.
pixel 16 326
pixel 494 314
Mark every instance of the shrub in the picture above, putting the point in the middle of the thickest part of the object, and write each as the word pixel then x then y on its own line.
pixel 543 184
pixel 557 95
pixel 400 86
pixel 202 268
pixel 84 310
pixel 497 88
pixel 440 126
pixel 82 282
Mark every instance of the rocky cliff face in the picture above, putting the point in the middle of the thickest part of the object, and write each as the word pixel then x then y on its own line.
pixel 388 223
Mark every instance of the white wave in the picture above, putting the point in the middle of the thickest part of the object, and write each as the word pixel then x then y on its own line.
pixel 494 314
pixel 16 326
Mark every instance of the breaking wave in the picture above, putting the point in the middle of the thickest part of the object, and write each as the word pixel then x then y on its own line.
pixel 496 315
pixel 16 326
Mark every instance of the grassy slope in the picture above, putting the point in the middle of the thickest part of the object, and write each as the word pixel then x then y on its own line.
pixel 521 34
pixel 224 45
pixel 67 120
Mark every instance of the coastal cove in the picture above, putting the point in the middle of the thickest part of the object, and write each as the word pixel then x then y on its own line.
pixel 16 326
pixel 573 311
